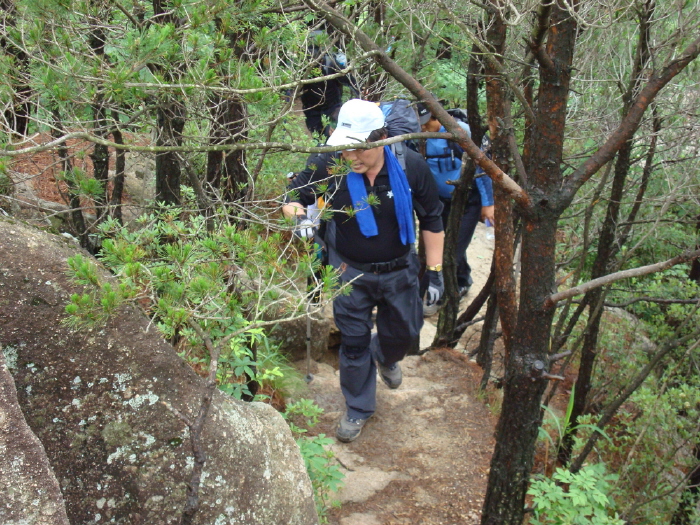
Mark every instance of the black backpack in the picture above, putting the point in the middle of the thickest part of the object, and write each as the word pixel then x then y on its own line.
pixel 458 114
pixel 327 62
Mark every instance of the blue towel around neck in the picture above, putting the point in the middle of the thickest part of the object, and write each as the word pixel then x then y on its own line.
pixel 403 204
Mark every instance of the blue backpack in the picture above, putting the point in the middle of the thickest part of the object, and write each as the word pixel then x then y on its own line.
pixel 445 160
pixel 401 118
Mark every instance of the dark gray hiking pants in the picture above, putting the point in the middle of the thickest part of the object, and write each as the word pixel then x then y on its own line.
pixel 399 321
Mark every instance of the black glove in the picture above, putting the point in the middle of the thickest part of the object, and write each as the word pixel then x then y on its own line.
pixel 436 287
pixel 303 227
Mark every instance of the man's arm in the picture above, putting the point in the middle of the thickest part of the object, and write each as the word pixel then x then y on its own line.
pixel 487 214
pixel 485 187
pixel 434 244
pixel 301 190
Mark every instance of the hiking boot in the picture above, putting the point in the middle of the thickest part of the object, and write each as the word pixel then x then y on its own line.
pixel 349 428
pixel 391 375
pixel 464 290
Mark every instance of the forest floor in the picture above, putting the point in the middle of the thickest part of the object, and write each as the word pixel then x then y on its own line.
pixel 423 458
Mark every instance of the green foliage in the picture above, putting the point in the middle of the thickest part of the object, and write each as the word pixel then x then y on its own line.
pixel 554 429
pixel 237 366
pixel 6 184
pixel 653 434
pixel 574 499
pixel 193 282
pixel 326 476
pixel 563 425
pixel 84 185
pixel 663 319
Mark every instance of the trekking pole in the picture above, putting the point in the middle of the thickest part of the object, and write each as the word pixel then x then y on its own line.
pixel 309 377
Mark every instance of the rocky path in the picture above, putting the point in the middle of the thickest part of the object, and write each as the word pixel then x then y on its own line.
pixel 423 458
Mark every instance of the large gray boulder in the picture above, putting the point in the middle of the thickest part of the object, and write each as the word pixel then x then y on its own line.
pixel 103 404
pixel 30 492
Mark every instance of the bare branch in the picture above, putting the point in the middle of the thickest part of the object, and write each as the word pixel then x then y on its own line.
pixel 489 55
pixel 543 58
pixel 196 427
pixel 278 146
pixel 618 276
pixel 561 355
pixel 513 147
pixel 657 300
pixel 630 123
pixel 127 14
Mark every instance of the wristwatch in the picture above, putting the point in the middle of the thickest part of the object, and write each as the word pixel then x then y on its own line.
pixel 436 268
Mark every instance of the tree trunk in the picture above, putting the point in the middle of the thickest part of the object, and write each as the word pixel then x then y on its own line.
pixel 527 357
pixel 76 213
pixel 100 153
pixel 450 307
pixel 484 357
pixel 119 174
pixel 226 171
pixel 474 71
pixel 447 320
pixel 171 122
pixel 520 419
pixel 498 106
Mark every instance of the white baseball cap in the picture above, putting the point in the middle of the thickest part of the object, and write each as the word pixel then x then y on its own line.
pixel 356 120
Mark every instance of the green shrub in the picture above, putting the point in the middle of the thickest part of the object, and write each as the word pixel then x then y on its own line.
pixel 6 184
pixel 574 499
pixel 325 475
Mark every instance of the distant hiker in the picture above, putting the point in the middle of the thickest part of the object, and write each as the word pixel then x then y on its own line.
pixel 324 98
pixel 375 246
pixel 445 160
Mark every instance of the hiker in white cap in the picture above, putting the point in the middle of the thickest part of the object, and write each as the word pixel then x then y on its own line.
pixel 374 247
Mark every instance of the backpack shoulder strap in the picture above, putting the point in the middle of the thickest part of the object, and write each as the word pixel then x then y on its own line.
pixel 399 150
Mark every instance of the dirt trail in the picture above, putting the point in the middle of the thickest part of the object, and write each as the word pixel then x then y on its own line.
pixel 423 458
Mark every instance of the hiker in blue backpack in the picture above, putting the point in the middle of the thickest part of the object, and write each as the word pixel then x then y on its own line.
pixel 445 160
pixel 374 248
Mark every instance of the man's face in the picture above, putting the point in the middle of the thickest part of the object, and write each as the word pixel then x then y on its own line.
pixel 364 160
pixel 432 125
